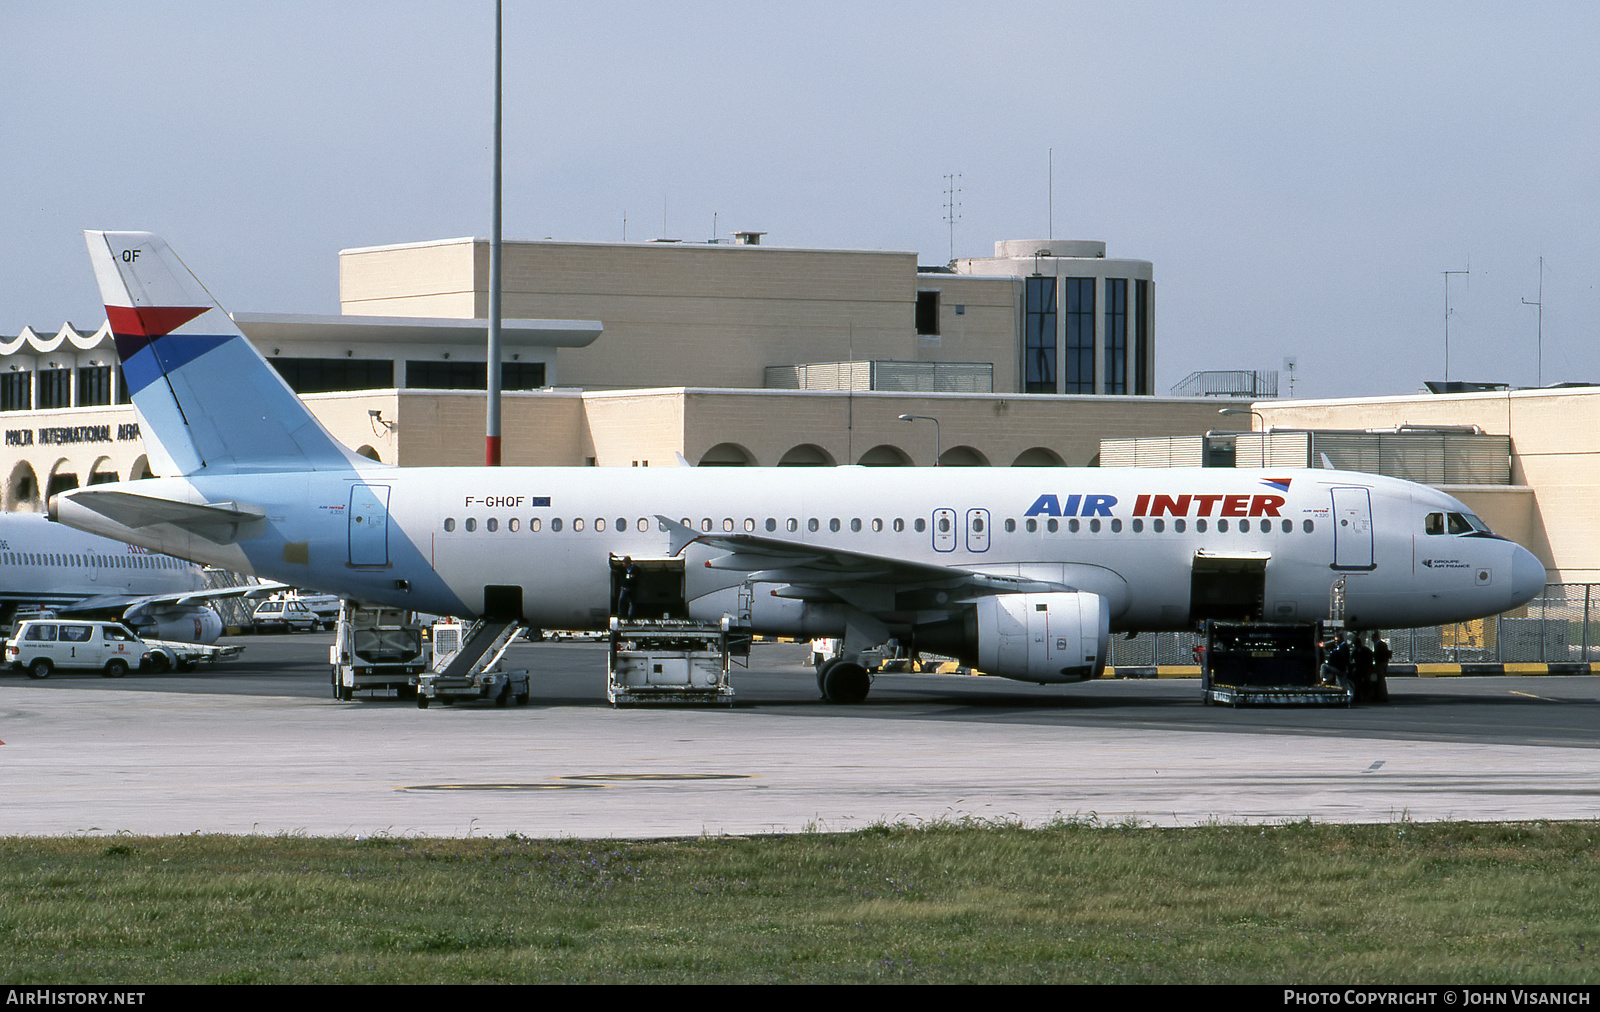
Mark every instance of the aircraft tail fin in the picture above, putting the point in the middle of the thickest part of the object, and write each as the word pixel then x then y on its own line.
pixel 207 396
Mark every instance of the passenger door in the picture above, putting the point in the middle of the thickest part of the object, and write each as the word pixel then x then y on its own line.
pixel 369 525
pixel 1352 529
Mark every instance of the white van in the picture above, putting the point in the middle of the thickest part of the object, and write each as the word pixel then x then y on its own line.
pixel 41 647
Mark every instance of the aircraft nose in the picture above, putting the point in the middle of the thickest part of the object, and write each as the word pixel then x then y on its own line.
pixel 1527 575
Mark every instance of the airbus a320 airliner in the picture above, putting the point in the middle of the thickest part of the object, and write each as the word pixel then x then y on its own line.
pixel 1023 574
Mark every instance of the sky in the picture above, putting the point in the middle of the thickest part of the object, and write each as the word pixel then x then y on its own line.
pixel 1300 174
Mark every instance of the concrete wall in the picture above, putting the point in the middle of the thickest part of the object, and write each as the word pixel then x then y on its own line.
pixel 980 320
pixel 1000 428
pixel 624 428
pixel 697 314
pixel 72 443
pixel 643 428
pixel 442 278
pixel 445 429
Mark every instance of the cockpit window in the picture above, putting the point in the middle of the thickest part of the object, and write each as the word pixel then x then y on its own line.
pixel 1466 523
pixel 1455 523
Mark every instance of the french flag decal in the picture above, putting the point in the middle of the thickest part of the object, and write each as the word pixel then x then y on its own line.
pixel 134 327
pixel 1281 484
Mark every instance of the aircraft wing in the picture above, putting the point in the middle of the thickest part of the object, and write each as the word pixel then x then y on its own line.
pixel 820 573
pixel 218 523
pixel 123 603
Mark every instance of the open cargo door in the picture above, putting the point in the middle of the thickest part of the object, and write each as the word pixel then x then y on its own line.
pixel 1228 586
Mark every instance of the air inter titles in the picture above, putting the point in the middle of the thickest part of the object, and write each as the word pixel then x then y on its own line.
pixel 1148 504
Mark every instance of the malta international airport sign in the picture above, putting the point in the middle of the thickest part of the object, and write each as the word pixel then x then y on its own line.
pixel 62 434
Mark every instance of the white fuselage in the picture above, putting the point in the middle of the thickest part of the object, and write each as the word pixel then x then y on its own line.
pixel 46 563
pixel 432 539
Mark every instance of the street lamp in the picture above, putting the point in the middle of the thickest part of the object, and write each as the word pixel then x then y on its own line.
pixel 936 442
pixel 1248 411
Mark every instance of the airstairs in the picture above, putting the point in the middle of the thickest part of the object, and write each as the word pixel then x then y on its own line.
pixel 466 664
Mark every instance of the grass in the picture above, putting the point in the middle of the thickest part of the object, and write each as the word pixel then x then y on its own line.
pixel 1398 903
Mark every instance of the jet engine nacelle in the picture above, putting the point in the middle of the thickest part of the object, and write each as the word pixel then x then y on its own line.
pixel 182 625
pixel 1061 637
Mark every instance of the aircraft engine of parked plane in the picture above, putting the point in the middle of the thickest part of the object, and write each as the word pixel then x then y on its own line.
pixel 184 624
pixel 1063 637
pixel 1042 637
pixel 1046 637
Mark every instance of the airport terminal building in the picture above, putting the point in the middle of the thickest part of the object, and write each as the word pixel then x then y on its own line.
pixel 745 353
pixel 632 354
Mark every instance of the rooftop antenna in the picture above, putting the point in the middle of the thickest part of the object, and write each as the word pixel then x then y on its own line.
pixel 1289 363
pixel 952 206
pixel 1540 304
pixel 1447 318
pixel 1050 185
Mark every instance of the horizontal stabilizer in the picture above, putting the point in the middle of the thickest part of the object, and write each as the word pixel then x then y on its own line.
pixel 219 523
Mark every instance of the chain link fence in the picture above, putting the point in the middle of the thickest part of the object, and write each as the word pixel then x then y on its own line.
pixel 235 612
pixel 1561 626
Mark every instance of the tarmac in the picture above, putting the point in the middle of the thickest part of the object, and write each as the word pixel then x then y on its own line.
pixel 258 746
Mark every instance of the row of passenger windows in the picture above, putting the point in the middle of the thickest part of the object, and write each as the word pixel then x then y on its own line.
pixel 93 561
pixel 1032 525
pixel 1157 525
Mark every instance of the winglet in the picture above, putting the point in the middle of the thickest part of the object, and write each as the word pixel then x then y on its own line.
pixel 682 536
